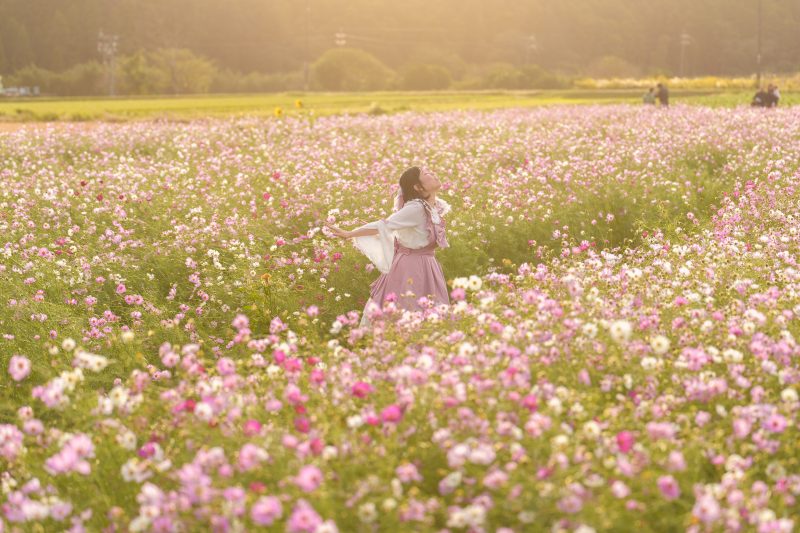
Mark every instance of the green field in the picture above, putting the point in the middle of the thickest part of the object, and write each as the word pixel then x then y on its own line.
pixel 187 107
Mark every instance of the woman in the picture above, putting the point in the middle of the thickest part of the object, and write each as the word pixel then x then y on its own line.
pixel 402 246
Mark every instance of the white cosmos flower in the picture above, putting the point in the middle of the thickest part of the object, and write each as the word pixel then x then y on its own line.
pixel 789 395
pixel 203 411
pixel 649 363
pixel 118 396
pixel 590 329
pixel 460 283
pixel 732 356
pixel 367 513
pixel 474 283
pixel 659 344
pixel 591 429
pixel 355 421
pixel 620 330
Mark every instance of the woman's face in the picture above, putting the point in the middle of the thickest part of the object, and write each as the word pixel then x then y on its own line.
pixel 430 183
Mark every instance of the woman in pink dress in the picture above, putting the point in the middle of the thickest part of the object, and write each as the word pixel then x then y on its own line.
pixel 402 246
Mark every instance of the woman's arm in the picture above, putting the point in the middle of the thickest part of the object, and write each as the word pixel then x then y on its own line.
pixel 364 232
pixel 410 215
pixel 376 240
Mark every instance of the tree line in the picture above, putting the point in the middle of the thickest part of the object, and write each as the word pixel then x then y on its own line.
pixel 268 42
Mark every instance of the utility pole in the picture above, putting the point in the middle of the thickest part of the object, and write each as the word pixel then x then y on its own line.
pixel 686 40
pixel 758 53
pixel 305 63
pixel 530 46
pixel 107 46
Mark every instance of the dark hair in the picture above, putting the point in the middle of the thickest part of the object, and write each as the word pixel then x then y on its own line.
pixel 408 180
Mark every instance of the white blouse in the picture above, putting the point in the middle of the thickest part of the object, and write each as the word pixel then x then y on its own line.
pixel 408 225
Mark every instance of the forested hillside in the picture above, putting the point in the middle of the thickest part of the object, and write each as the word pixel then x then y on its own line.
pixel 567 36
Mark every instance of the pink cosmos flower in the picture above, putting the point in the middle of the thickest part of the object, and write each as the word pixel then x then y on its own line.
pixel 625 441
pixel 226 366
pixel 407 473
pixel 776 423
pixel 19 367
pixel 251 427
pixel 570 504
pixel 33 426
pixel 250 456
pixel 266 510
pixel 661 430
pixel 495 479
pixel 391 414
pixel 707 509
pixel 361 389
pixel 669 487
pixel 530 402
pixel 741 427
pixel 620 489
pixel 10 441
pixel 702 418
pixel 676 461
pixel 304 518
pixel 458 294
pixel 240 322
pixel 302 424
pixel 72 457
pixel 309 478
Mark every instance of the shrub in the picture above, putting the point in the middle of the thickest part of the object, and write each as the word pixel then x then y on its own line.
pixel 79 80
pixel 612 66
pixel 181 71
pixel 422 77
pixel 506 76
pixel 349 69
pixel 228 81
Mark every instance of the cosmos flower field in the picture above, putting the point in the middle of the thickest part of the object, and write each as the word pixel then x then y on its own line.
pixel 180 345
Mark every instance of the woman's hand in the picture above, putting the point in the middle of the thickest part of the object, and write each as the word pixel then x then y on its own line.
pixel 337 232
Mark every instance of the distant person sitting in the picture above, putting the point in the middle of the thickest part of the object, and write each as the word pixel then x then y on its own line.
pixel 773 95
pixel 760 98
pixel 662 93
pixel 650 97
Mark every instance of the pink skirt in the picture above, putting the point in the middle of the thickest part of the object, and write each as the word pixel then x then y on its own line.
pixel 413 274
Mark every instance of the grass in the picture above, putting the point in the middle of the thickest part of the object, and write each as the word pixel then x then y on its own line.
pixel 188 107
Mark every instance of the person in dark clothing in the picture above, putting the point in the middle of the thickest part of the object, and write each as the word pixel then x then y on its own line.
pixel 760 98
pixel 773 95
pixel 662 93
pixel 768 97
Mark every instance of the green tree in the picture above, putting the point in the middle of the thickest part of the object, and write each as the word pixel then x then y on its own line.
pixel 31 76
pixel 612 67
pixel 20 53
pixel 181 71
pixel 3 60
pixel 138 75
pixel 270 37
pixel 350 69
pixel 82 79
pixel 425 77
